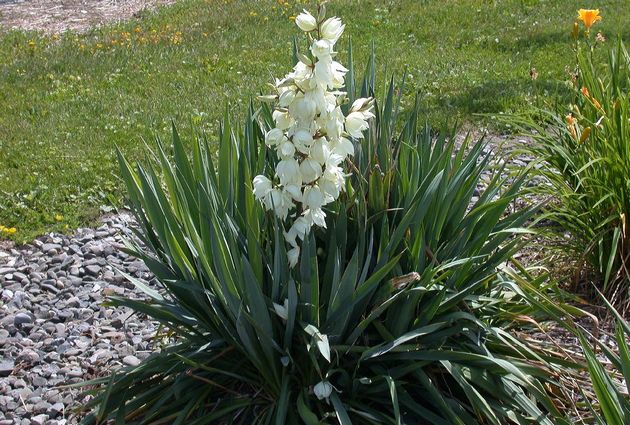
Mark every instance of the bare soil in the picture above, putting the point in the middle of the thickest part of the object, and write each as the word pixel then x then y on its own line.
pixel 56 16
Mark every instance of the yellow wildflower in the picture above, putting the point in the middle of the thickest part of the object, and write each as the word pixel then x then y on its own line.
pixel 589 17
pixel 58 217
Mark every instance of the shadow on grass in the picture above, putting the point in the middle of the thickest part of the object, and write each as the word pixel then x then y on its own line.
pixel 494 96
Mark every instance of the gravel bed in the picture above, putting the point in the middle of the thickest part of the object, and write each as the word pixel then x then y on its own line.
pixel 54 329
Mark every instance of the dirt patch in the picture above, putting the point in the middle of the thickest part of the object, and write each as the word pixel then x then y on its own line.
pixel 55 16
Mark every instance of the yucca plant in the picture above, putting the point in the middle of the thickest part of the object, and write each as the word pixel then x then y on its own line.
pixel 389 316
pixel 584 152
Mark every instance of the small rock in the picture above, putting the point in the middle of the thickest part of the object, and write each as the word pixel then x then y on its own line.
pixel 39 419
pixel 131 361
pixel 93 270
pixel 6 367
pixel 21 319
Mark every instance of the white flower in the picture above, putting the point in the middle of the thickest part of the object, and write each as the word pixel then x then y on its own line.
pixel 286 149
pixel 283 119
pixel 317 217
pixel 321 48
pixel 324 73
pixel 334 124
pixel 274 137
pixel 298 230
pixel 331 29
pixel 318 97
pixel 295 191
pixel 302 139
pixel 282 310
pixel 306 22
pixel 280 202
pixel 262 186
pixel 311 170
pixel 338 75
pixel 343 147
pixel 286 97
pixel 288 171
pixel 293 255
pixel 313 197
pixel 360 104
pixel 356 124
pixel 303 109
pixel 323 390
pixel 320 150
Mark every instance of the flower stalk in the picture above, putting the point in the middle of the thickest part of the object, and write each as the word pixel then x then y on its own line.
pixel 312 136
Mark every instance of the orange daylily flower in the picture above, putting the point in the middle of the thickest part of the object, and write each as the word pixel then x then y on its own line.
pixel 589 17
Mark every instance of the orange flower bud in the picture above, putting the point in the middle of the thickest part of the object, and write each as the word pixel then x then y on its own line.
pixel 575 32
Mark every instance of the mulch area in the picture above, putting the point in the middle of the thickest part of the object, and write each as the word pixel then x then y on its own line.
pixel 54 16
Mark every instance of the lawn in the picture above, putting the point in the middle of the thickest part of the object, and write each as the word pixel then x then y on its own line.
pixel 68 100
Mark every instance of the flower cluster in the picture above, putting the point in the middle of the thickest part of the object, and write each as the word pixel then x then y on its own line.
pixel 311 134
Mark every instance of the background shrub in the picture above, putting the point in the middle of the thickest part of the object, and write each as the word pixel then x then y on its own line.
pixel 585 157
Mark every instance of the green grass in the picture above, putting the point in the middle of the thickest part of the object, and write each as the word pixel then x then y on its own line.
pixel 67 102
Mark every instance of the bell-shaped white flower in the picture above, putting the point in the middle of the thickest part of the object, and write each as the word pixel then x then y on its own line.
pixel 343 147
pixel 288 171
pixel 323 390
pixel 313 197
pixel 282 310
pixel 310 170
pixel 280 202
pixel 356 124
pixel 262 186
pixel 302 139
pixel 320 150
pixel 298 230
pixel 293 255
pixel 295 191
pixel 286 97
pixel 331 29
pixel 338 75
pixel 316 216
pixel 306 22
pixel 286 149
pixel 274 137
pixel 323 73
pixel 321 49
pixel 303 109
pixel 283 119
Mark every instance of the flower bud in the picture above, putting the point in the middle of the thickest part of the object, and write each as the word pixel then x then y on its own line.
pixel 306 22
pixel 331 29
